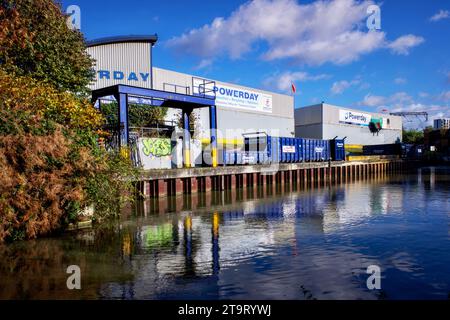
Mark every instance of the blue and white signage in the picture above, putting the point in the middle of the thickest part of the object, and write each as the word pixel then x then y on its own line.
pixel 352 117
pixel 288 149
pixel 121 75
pixel 241 98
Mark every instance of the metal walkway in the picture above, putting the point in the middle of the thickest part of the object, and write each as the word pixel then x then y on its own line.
pixel 204 97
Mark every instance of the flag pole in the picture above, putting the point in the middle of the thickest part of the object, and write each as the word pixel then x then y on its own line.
pixel 293 91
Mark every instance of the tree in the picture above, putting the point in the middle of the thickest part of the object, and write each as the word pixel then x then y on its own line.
pixel 51 166
pixel 412 136
pixel 35 41
pixel 139 115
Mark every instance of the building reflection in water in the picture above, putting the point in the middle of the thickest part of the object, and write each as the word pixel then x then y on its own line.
pixel 215 244
pixel 257 224
pixel 149 255
pixel 153 257
pixel 189 261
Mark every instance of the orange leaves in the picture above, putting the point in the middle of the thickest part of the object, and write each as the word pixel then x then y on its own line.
pixel 50 165
pixel 39 174
pixel 40 100
pixel 13 29
pixel 37 182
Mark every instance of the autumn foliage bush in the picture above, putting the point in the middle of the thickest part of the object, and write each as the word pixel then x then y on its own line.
pixel 51 166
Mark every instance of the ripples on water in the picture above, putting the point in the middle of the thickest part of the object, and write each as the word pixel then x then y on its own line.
pixel 310 244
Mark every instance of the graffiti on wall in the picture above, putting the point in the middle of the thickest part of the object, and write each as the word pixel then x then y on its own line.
pixel 157 147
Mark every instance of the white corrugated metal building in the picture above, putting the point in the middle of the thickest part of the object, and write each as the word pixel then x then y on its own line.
pixel 128 60
pixel 326 121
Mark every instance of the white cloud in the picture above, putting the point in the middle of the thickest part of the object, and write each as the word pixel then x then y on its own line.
pixel 442 14
pixel 400 80
pixel 402 102
pixel 403 44
pixel 400 97
pixel 204 63
pixel 332 31
pixel 434 111
pixel 423 94
pixel 372 101
pixel 395 99
pixel 284 80
pixel 343 49
pixel 339 87
pixel 444 96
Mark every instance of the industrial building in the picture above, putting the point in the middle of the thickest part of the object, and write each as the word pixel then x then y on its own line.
pixel 128 61
pixel 443 123
pixel 325 121
pixel 224 112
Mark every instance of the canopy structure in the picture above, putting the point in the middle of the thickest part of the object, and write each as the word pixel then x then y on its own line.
pixel 187 103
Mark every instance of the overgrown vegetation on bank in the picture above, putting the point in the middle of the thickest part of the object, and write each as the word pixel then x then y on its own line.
pixel 51 166
pixel 413 136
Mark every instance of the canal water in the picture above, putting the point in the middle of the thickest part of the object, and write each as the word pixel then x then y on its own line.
pixel 313 243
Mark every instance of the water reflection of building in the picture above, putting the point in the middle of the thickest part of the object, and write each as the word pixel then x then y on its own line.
pixel 185 255
pixel 361 203
pixel 203 246
pixel 222 241
pixel 197 246
pixel 193 245
pixel 207 243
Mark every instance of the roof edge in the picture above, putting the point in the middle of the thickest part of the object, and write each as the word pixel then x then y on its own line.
pixel 123 39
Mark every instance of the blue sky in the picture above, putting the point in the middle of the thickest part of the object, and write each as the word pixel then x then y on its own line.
pixel 324 47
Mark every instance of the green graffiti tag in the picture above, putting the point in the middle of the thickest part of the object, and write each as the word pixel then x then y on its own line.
pixel 157 147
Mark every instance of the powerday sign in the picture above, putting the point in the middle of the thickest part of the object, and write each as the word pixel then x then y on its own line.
pixel 352 117
pixel 241 98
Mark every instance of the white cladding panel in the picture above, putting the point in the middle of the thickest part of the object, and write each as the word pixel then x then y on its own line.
pixel 324 121
pixel 130 64
pixel 331 115
pixel 232 122
pixel 361 134
pixel 281 105
pixel 130 60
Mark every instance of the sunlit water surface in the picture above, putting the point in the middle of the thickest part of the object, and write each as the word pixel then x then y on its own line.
pixel 309 244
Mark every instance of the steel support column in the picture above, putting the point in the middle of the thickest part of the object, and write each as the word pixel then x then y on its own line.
pixel 213 132
pixel 122 100
pixel 186 138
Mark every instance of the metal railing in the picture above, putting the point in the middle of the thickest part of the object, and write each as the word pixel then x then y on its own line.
pixel 200 87
pixel 163 127
pixel 170 87
pixel 204 88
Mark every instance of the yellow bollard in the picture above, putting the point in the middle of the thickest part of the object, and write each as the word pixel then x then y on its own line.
pixel 214 157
